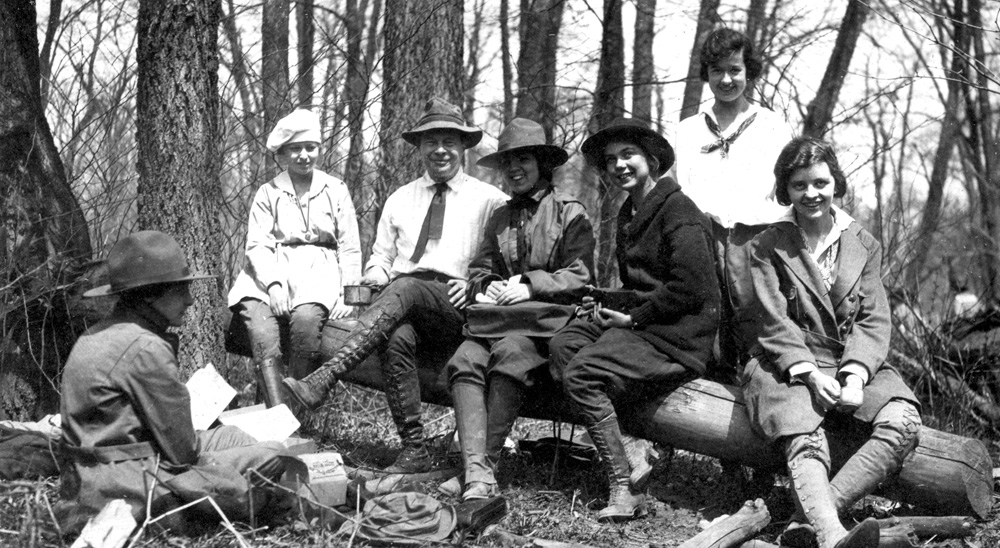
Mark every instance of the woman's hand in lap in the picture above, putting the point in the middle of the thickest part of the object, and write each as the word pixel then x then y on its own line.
pixel 825 389
pixel 605 317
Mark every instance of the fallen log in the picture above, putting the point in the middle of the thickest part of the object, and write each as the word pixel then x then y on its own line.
pixel 733 530
pixel 946 474
pixel 929 526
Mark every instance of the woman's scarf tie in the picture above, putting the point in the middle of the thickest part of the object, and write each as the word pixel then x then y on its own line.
pixel 724 142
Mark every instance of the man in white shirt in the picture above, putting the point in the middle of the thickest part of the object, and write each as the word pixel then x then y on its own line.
pixel 429 231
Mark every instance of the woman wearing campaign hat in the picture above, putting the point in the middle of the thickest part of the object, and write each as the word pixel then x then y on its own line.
pixel 534 263
pixel 126 415
pixel 663 323
pixel 302 248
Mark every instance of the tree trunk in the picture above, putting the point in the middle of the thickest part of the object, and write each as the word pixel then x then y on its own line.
pixel 708 16
pixel 356 96
pixel 508 93
pixel 643 74
pixel 43 234
pixel 306 32
pixel 609 103
pixel 45 58
pixel 474 68
pixel 989 174
pixel 274 68
pixel 536 64
pixel 820 110
pixel 423 59
pixel 950 131
pixel 179 160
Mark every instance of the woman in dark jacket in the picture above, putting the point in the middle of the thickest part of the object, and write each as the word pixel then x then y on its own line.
pixel 661 330
pixel 820 360
pixel 537 258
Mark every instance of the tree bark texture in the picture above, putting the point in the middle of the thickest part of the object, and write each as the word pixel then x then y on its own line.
pixel 274 69
pixel 609 103
pixel 643 72
pixel 708 16
pixel 359 73
pixel 43 233
pixel 179 161
pixel 306 34
pixel 820 110
pixel 536 64
pixel 423 59
pixel 508 78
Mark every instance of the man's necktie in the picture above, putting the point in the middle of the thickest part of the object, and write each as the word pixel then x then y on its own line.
pixel 433 222
pixel 724 142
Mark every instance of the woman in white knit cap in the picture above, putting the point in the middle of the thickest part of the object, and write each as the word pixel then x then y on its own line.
pixel 302 248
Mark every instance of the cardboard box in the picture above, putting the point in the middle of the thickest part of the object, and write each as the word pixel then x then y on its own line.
pixel 325 482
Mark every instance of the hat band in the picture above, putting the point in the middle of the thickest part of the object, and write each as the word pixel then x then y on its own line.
pixel 431 118
pixel 175 275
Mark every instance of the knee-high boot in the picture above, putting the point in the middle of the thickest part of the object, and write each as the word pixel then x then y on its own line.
pixel 471 420
pixel 363 341
pixel 503 405
pixel 624 501
pixel 814 500
pixel 402 392
pixel 269 373
pixel 880 457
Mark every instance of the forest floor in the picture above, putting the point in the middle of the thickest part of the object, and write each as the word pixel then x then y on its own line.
pixel 554 499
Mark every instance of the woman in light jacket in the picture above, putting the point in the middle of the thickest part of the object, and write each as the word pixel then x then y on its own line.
pixel 536 259
pixel 819 365
pixel 302 248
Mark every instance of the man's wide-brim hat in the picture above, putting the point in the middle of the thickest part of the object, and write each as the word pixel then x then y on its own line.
pixel 522 135
pixel 144 258
pixel 633 131
pixel 440 114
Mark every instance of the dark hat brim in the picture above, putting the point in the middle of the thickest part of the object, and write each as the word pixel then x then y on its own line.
pixel 470 135
pixel 627 130
pixel 550 155
pixel 106 290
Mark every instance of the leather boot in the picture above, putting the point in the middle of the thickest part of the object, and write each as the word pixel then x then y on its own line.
pixel 814 500
pixel 624 501
pixel 503 404
pixel 880 457
pixel 636 450
pixel 470 421
pixel 269 373
pixel 402 393
pixel 363 341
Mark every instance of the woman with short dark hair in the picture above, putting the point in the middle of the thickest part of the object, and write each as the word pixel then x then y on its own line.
pixel 819 363
pixel 655 333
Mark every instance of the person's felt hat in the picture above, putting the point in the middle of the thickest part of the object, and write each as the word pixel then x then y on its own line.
pixel 522 135
pixel 144 258
pixel 440 114
pixel 631 130
pixel 300 126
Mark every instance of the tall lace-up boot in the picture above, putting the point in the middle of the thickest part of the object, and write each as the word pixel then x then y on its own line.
pixel 624 501
pixel 363 341
pixel 814 500
pixel 402 393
